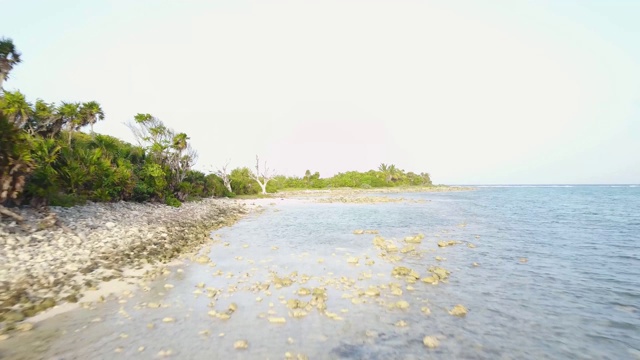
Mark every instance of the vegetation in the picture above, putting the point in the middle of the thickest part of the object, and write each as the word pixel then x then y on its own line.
pixel 46 159
pixel 385 176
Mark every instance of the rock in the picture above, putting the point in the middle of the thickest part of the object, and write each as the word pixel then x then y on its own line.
pixel 439 273
pixel 48 222
pixel 414 239
pixel 401 305
pixel 353 260
pixel 47 303
pixel 401 271
pixel 447 243
pixel 13 316
pixel 296 304
pixel 395 290
pixel 241 345
pixel 458 310
pixel 431 342
pixel 109 225
pixel 372 291
pixel 304 291
pixel 358 232
pixel 25 326
pixel 277 320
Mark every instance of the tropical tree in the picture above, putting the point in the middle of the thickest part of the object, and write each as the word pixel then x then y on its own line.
pixel 45 120
pixel 90 113
pixel 9 57
pixel 16 108
pixel 15 164
pixel 70 116
pixel 165 147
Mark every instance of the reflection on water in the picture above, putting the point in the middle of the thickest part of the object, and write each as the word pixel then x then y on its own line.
pixel 557 277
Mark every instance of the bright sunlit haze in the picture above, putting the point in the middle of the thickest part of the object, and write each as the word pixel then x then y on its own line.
pixel 491 92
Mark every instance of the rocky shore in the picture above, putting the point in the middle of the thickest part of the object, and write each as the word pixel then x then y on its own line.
pixel 51 258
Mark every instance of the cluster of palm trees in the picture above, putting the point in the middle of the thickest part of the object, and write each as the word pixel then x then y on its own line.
pixel 42 118
pixel 47 119
pixel 394 175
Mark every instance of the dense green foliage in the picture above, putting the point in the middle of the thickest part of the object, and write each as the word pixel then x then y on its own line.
pixel 385 176
pixel 45 158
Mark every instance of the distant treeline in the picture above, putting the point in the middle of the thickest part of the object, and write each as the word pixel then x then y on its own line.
pixel 46 160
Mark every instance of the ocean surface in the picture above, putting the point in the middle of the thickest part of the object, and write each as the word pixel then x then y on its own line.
pixel 556 276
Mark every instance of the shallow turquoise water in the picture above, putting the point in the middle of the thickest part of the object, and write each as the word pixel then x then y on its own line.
pixel 576 296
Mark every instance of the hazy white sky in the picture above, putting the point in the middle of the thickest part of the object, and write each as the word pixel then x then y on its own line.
pixel 472 92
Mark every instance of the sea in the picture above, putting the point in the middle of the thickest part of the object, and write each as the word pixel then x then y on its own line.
pixel 544 272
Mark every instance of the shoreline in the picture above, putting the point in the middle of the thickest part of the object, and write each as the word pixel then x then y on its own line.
pixel 360 191
pixel 54 261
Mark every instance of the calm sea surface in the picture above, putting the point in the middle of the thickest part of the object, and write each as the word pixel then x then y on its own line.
pixel 558 277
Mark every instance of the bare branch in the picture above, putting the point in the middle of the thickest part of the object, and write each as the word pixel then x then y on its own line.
pixel 11 214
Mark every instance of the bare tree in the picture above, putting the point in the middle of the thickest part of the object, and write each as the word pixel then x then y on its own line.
pixel 224 174
pixel 262 177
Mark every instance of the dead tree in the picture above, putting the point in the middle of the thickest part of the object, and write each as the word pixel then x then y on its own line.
pixel 225 176
pixel 262 177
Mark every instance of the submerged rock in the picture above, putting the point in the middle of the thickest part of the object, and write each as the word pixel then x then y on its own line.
pixel 447 243
pixel 241 345
pixel 439 272
pixel 414 239
pixel 203 259
pixel 353 260
pixel 277 320
pixel 404 272
pixel 458 310
pixel 431 342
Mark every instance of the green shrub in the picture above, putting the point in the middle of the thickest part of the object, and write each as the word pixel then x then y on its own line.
pixel 172 201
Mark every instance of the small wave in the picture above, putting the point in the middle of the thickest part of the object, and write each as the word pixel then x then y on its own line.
pixel 622 325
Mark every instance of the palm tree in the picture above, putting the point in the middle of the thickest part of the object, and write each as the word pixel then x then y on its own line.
pixel 70 116
pixel 393 172
pixel 45 120
pixel 180 142
pixel 386 171
pixel 91 113
pixel 16 108
pixel 9 57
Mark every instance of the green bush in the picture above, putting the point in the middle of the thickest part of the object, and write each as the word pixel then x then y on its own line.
pixel 172 201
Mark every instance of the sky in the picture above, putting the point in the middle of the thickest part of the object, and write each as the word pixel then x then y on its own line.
pixel 472 92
